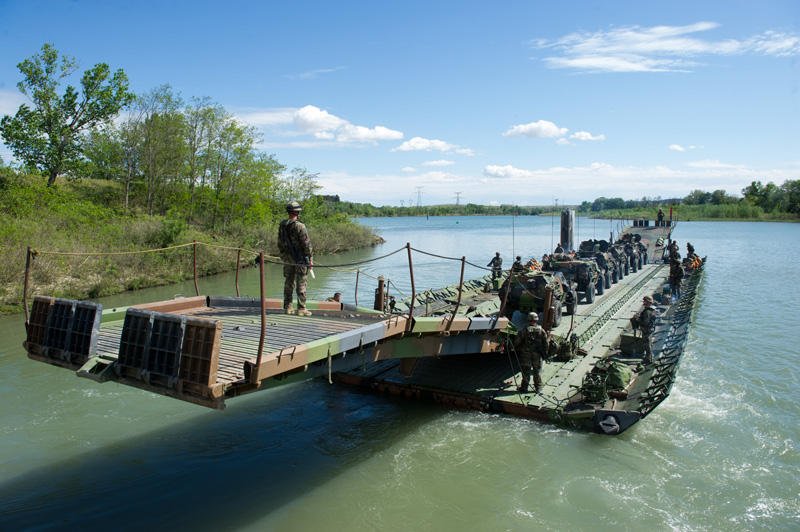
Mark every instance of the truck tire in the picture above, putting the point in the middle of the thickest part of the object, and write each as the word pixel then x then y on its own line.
pixel 607 279
pixel 590 293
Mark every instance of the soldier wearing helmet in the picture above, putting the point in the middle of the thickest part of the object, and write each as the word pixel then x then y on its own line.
pixel 497 265
pixel 295 251
pixel 645 321
pixel 532 343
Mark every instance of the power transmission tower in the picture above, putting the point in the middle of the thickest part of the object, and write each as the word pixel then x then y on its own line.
pixel 419 195
pixel 458 196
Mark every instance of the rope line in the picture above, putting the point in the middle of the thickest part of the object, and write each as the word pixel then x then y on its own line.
pixel 106 253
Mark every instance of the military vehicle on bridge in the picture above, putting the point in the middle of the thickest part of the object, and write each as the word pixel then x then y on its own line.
pixel 583 275
pixel 610 266
pixel 528 292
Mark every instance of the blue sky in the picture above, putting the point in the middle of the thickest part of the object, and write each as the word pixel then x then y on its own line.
pixel 497 102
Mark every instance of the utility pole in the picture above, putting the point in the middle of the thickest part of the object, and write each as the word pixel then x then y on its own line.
pixel 458 196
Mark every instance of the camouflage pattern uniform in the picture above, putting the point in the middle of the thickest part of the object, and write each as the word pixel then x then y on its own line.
pixel 497 266
pixel 675 278
pixel 295 251
pixel 532 343
pixel 646 320
pixel 517 266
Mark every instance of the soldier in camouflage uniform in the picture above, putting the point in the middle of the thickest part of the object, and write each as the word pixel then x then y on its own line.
pixel 532 343
pixel 295 250
pixel 517 266
pixel 645 321
pixel 497 265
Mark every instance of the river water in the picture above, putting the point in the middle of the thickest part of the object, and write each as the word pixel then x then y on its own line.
pixel 720 453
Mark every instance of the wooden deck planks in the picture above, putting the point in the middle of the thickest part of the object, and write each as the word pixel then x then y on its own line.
pixel 241 332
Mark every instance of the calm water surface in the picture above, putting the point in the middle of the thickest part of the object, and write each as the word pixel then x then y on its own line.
pixel 720 453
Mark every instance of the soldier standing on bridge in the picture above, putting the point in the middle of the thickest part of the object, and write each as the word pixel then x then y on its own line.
pixel 645 321
pixel 532 343
pixel 517 267
pixel 675 278
pixel 295 251
pixel 497 265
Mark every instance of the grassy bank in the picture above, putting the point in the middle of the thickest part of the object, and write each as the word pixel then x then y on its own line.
pixel 79 218
pixel 742 212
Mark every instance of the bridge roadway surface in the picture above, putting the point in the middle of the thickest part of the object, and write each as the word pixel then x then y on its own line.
pixel 473 382
pixel 495 377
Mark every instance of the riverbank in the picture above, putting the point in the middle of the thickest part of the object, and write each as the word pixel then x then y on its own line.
pixel 739 212
pixel 85 248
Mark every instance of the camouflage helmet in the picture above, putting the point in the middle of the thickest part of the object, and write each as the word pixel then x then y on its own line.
pixel 533 316
pixel 293 206
pixel 647 299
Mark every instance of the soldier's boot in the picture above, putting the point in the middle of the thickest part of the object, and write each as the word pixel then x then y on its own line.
pixel 537 382
pixel 303 312
pixel 523 386
pixel 288 310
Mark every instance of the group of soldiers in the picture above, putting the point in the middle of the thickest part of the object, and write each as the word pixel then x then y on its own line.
pixel 496 264
pixel 676 266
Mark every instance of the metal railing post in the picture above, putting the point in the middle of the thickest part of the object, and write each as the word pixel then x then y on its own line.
pixel 413 289
pixel 460 289
pixel 238 262
pixel 254 376
pixel 25 284
pixel 355 296
pixel 194 267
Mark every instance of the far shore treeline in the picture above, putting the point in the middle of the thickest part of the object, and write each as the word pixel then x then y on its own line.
pixel 101 169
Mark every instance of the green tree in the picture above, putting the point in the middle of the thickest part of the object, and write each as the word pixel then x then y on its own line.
pixel 791 196
pixel 697 197
pixel 768 197
pixel 48 135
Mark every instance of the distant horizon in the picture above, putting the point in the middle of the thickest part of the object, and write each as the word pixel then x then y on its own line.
pixel 428 102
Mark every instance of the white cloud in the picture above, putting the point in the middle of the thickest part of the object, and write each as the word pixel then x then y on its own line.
pixel 408 169
pixel 314 120
pixel 713 164
pixel 586 136
pixel 657 48
pixel 423 144
pixel 439 162
pixel 326 128
pixel 540 129
pixel 313 74
pixel 268 117
pixel 349 132
pixel 681 148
